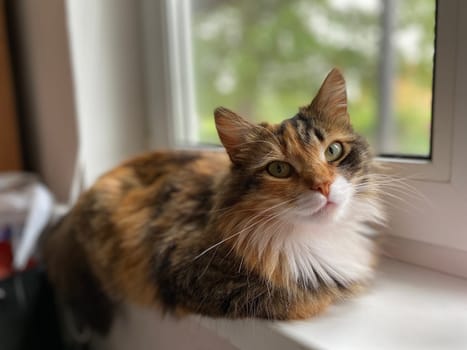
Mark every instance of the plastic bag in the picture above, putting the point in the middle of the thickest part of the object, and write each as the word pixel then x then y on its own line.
pixel 26 206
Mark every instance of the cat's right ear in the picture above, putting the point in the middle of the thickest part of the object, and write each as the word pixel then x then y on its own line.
pixel 331 100
pixel 234 132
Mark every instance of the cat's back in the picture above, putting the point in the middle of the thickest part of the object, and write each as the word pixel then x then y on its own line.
pixel 148 187
pixel 151 181
pixel 141 189
pixel 155 178
pixel 128 209
pixel 156 187
pixel 150 169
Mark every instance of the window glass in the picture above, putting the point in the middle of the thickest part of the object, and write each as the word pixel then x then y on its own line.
pixel 265 58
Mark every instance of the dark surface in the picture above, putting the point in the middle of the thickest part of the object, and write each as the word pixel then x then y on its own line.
pixel 28 317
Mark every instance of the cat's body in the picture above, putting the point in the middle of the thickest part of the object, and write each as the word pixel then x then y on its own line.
pixel 197 232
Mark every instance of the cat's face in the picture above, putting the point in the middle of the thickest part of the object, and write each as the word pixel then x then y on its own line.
pixel 309 168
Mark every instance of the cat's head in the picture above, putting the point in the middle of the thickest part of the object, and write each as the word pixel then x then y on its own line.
pixel 312 167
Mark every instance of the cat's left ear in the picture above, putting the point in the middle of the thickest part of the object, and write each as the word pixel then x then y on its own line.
pixel 234 131
pixel 331 100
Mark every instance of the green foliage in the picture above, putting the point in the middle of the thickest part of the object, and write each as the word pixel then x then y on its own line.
pixel 265 58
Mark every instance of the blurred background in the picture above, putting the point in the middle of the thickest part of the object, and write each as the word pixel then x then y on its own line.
pixel 86 84
pixel 265 58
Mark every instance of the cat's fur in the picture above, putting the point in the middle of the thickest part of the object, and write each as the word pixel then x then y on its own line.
pixel 213 233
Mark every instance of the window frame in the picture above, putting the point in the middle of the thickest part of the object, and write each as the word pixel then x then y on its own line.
pixel 411 237
pixel 438 166
pixel 168 61
pixel 428 233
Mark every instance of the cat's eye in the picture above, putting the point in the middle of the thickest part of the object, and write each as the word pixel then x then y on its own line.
pixel 334 151
pixel 279 169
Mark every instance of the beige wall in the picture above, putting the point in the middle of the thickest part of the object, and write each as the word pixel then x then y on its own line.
pixel 82 95
pixel 46 91
pixel 109 82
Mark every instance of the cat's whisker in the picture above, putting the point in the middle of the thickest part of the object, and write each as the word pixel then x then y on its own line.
pixel 259 225
pixel 244 229
pixel 227 209
pixel 268 218
pixel 260 244
pixel 240 264
pixel 207 266
pixel 215 245
pixel 394 184
pixel 397 190
pixel 234 209
pixel 270 234
pixel 249 244
pixel 390 199
pixel 389 179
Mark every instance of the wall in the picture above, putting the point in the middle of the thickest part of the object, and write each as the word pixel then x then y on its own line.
pixel 46 103
pixel 107 63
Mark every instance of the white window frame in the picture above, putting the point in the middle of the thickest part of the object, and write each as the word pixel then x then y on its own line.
pixel 427 234
pixel 428 230
pixel 169 67
pixel 438 168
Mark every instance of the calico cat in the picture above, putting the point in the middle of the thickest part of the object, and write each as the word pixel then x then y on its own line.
pixel 275 228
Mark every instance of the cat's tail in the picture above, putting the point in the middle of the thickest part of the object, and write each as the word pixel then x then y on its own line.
pixel 77 289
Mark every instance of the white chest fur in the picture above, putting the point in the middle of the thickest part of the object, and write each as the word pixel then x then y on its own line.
pixel 330 254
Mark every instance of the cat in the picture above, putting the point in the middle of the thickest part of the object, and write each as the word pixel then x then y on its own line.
pixel 277 227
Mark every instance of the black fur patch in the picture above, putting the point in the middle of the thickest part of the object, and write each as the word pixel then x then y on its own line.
pixel 307 120
pixel 89 303
pixel 164 278
pixel 303 125
pixel 200 212
pixel 357 159
pixel 243 184
pixel 319 134
pixel 280 131
pixel 163 196
pixel 147 171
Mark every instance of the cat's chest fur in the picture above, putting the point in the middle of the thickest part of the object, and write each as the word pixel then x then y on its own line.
pixel 311 256
pixel 329 254
pixel 334 255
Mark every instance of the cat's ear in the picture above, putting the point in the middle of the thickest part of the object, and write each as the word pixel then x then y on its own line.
pixel 234 132
pixel 331 100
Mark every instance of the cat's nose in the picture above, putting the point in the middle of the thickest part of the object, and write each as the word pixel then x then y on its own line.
pixel 323 187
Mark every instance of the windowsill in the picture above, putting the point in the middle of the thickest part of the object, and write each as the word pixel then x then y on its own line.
pixel 407 307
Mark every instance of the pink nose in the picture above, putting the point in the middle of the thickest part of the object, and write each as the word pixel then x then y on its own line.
pixel 324 188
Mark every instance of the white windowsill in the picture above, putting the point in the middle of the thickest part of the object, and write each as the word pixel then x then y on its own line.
pixel 407 307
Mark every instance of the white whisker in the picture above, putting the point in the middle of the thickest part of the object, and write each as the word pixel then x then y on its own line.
pixel 263 212
pixel 215 245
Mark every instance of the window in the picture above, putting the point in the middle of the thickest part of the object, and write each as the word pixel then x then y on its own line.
pixel 266 58
pixel 406 125
pixel 425 228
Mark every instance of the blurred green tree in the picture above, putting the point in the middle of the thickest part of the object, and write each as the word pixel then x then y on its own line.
pixel 265 58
